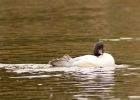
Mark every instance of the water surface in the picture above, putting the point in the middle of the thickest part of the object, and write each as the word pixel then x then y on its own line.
pixel 33 32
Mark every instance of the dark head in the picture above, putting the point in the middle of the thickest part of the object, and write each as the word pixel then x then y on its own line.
pixel 98 49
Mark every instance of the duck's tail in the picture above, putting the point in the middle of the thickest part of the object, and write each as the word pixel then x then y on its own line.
pixel 61 62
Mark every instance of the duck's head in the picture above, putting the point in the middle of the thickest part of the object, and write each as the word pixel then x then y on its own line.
pixel 98 49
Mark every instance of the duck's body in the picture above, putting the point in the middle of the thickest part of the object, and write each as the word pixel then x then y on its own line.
pixel 85 61
pixel 90 60
pixel 99 59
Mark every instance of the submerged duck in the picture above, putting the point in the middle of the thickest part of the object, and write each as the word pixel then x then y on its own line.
pixel 99 59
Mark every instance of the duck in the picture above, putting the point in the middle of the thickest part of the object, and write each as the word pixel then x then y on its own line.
pixel 98 59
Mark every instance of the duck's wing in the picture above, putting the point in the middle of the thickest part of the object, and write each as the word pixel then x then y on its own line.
pixel 61 62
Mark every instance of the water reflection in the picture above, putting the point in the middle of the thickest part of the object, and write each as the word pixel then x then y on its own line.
pixel 98 85
pixel 80 83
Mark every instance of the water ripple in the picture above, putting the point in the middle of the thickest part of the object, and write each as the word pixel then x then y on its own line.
pixel 121 39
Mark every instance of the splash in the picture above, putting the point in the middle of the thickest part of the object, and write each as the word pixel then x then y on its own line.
pixel 30 68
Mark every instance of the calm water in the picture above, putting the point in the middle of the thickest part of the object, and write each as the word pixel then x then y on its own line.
pixel 35 31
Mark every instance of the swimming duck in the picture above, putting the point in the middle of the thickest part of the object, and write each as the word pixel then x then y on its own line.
pixel 99 59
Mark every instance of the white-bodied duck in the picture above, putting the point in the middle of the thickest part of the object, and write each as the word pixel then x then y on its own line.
pixel 99 59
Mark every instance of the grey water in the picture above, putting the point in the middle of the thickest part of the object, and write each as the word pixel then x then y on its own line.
pixel 36 31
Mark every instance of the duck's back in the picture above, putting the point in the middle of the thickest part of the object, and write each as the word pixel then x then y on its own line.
pixel 85 61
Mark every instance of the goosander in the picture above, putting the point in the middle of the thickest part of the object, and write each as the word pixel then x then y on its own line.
pixel 99 59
